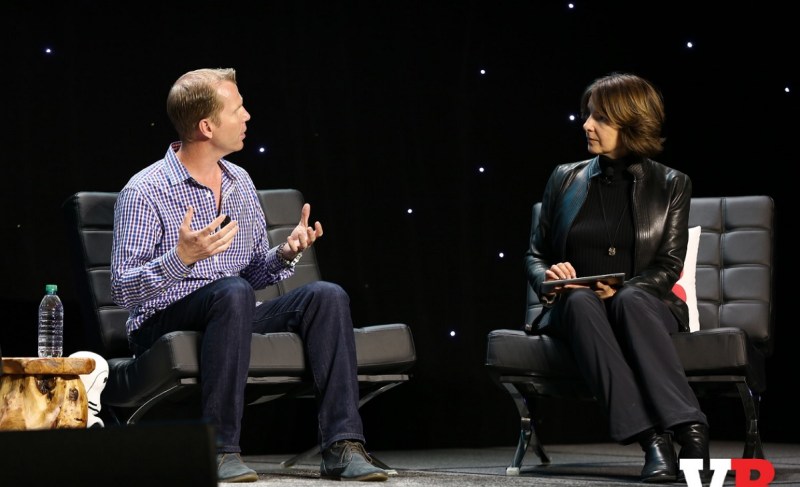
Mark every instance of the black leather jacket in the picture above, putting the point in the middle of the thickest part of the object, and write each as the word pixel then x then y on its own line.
pixel 661 198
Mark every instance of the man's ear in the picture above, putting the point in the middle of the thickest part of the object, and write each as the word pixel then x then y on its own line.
pixel 206 128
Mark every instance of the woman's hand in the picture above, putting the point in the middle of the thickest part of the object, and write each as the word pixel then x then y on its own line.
pixel 604 291
pixel 562 270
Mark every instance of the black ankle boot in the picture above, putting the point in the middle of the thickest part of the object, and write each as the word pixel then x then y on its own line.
pixel 693 439
pixel 660 464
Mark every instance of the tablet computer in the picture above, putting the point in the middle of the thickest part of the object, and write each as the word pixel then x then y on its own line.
pixel 613 279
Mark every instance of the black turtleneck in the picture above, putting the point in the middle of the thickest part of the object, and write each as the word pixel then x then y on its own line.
pixel 605 220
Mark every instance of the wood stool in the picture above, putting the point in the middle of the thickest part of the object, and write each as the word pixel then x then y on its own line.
pixel 43 393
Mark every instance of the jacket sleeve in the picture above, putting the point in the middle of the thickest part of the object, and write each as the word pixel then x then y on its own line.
pixel 664 235
pixel 541 254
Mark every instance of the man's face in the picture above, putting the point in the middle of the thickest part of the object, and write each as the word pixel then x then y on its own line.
pixel 228 134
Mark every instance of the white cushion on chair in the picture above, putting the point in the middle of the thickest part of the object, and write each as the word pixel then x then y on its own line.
pixel 685 287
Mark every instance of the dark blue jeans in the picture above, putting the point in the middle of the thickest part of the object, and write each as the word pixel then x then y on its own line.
pixel 226 312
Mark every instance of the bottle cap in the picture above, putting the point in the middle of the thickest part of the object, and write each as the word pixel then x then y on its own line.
pixel 51 288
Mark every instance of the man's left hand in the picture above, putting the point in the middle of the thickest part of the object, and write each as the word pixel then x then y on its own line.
pixel 303 236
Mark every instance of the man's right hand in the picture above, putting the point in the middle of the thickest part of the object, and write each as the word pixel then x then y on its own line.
pixel 194 246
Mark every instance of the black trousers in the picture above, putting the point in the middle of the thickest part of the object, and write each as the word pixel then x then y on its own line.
pixel 623 349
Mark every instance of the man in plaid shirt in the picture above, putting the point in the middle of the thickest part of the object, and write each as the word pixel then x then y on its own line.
pixel 190 246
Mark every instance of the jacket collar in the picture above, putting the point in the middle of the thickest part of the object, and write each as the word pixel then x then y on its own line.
pixel 635 166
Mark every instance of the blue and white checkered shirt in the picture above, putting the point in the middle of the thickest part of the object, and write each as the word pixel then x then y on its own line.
pixel 146 273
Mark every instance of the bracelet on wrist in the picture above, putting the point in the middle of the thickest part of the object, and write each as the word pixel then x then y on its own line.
pixel 287 262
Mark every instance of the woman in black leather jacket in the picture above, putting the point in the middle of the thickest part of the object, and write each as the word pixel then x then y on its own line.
pixel 623 212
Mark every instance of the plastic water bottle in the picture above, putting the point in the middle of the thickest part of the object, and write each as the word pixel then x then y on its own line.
pixel 51 323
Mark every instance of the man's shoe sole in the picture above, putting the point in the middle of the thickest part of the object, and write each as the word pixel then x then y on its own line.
pixel 247 477
pixel 370 477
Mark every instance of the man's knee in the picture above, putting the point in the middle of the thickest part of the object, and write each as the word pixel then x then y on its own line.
pixel 327 290
pixel 234 290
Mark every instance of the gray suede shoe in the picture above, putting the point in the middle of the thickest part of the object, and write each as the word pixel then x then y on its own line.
pixel 348 460
pixel 231 468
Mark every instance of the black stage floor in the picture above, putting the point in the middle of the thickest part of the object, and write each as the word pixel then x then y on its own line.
pixel 596 464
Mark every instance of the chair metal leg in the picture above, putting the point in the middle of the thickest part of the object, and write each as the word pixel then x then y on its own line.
pixel 382 465
pixel 522 447
pixel 750 402
pixel 300 457
pixel 527 435
pixel 369 396
pixel 378 463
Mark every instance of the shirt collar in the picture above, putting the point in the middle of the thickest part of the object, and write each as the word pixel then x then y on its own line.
pixel 176 172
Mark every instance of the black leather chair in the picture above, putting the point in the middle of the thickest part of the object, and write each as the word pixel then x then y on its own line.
pixel 726 357
pixel 386 353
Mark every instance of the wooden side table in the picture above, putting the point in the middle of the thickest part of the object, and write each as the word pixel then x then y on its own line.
pixel 43 393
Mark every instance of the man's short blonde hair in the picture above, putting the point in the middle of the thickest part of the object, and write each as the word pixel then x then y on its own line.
pixel 193 97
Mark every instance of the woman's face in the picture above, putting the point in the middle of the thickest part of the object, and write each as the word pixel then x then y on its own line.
pixel 602 137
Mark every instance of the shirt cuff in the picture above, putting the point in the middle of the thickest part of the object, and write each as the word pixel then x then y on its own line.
pixel 174 267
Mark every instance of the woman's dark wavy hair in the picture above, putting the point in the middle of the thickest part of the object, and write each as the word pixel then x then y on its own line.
pixel 631 104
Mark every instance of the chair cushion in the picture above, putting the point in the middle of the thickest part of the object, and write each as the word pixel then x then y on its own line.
pixel 175 356
pixel 721 351
pixel 379 348
pixel 538 362
pixel 385 349
pixel 513 352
